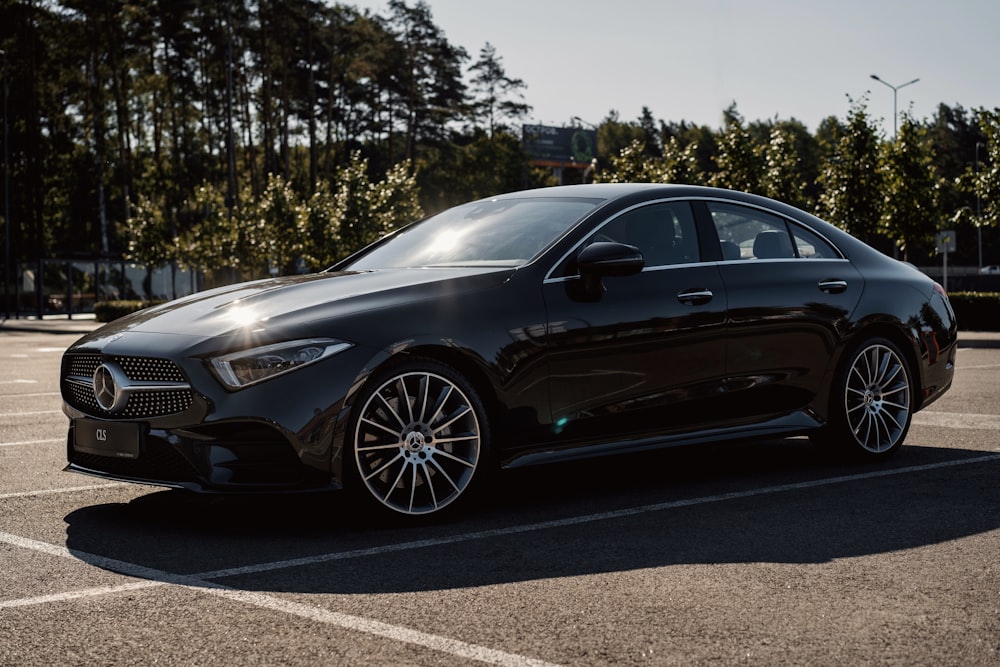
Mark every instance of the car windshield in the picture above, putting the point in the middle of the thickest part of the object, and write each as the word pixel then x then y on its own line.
pixel 497 232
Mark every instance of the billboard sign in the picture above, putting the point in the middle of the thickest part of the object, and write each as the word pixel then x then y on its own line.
pixel 559 146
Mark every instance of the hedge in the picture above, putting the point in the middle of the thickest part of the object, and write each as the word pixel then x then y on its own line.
pixel 106 311
pixel 976 311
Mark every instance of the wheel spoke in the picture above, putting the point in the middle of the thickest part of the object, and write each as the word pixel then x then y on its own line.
pixel 404 397
pixel 391 411
pixel 393 433
pixel 430 483
pixel 413 485
pixel 464 410
pixel 372 448
pixel 445 475
pixel 449 455
pixel 458 438
pixel 384 466
pixel 439 406
pixel 425 382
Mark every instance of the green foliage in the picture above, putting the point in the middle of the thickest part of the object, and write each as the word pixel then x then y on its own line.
pixel 783 177
pixel 210 241
pixel 319 226
pixel 740 159
pixel 277 239
pixel 149 237
pixel 134 133
pixel 851 179
pixel 499 97
pixel 986 180
pixel 910 214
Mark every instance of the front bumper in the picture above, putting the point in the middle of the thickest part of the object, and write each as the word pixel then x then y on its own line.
pixel 240 457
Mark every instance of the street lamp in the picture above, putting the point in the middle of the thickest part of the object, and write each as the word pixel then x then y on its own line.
pixel 979 221
pixel 6 195
pixel 895 90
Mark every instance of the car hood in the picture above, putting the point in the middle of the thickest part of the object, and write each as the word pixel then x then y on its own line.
pixel 301 302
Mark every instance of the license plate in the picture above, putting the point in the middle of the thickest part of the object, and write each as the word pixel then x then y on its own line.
pixel 117 439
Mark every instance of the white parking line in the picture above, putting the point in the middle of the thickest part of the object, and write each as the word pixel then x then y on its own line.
pixel 200 582
pixel 587 518
pixel 31 442
pixel 18 381
pixel 155 577
pixel 957 420
pixel 69 489
pixel 33 412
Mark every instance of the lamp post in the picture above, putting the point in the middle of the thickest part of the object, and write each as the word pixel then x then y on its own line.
pixel 6 196
pixel 895 90
pixel 979 222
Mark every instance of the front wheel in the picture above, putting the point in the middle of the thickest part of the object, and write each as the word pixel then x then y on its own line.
pixel 872 403
pixel 420 438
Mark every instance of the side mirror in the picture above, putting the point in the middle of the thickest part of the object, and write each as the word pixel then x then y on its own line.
pixel 602 259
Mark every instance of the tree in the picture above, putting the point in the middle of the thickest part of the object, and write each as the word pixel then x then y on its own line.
pixel 494 90
pixel 851 180
pixel 318 225
pixel 367 211
pixel 428 86
pixel 910 213
pixel 986 179
pixel 783 179
pixel 740 160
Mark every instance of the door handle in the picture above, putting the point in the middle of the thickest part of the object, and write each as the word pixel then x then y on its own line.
pixel 833 286
pixel 694 297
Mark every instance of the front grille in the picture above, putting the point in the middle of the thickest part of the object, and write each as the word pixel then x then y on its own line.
pixel 170 395
pixel 149 369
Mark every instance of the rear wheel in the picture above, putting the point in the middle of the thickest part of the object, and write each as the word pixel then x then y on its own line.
pixel 420 438
pixel 872 403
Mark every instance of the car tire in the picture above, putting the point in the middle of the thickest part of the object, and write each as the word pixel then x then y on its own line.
pixel 871 405
pixel 420 440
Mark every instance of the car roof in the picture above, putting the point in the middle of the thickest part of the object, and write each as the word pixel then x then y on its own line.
pixel 614 190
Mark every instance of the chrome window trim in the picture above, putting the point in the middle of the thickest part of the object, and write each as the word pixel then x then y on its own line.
pixel 550 279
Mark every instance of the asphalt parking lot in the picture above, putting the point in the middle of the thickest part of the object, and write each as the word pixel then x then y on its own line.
pixel 765 553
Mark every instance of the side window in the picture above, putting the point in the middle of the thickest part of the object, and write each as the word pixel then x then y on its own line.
pixel 747 233
pixel 812 246
pixel 664 233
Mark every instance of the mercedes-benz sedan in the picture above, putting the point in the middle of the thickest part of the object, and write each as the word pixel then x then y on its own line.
pixel 522 329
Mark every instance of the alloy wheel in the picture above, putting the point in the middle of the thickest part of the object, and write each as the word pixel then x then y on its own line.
pixel 417 442
pixel 877 398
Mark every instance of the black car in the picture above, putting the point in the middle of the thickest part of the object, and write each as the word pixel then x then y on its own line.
pixel 526 328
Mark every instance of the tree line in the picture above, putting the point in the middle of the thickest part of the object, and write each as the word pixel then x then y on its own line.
pixel 895 193
pixel 254 136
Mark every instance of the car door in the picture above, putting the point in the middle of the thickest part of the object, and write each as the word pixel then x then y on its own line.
pixel 645 355
pixel 790 297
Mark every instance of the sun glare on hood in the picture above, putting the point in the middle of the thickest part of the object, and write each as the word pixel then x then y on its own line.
pixel 243 316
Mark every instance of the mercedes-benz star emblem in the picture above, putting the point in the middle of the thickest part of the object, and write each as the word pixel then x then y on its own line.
pixel 106 389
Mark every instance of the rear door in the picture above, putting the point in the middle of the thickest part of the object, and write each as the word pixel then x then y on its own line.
pixel 791 295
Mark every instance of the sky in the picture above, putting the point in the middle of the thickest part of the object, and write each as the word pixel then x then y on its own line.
pixel 690 59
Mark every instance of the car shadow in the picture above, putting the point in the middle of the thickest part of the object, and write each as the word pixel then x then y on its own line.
pixel 775 501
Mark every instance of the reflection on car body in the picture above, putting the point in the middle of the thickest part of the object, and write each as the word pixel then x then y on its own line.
pixel 530 327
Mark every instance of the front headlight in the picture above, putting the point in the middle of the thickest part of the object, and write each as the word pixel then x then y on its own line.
pixel 242 369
